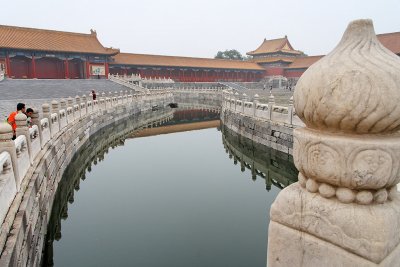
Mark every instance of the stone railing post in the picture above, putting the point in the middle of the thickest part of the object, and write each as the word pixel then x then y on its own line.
pixel 55 109
pixel 290 111
pixel 244 99
pixel 36 121
pixel 236 97
pixel 77 107
pixel 271 104
pixel 47 114
pixel 84 101
pixel 63 104
pixel 7 144
pixel 345 209
pixel 23 129
pixel 255 103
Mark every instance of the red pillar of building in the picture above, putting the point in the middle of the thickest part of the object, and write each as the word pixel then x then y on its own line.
pixel 107 70
pixel 87 70
pixel 8 65
pixel 33 62
pixel 66 69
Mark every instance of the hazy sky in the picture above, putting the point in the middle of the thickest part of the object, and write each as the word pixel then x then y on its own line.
pixel 201 28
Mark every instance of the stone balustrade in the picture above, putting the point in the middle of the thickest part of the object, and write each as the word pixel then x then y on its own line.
pixel 126 82
pixel 267 124
pixel 32 165
pixel 271 112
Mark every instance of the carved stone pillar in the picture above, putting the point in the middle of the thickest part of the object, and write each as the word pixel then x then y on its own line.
pixel 255 103
pixel 345 209
pixel 22 129
pixel 36 121
pixel 7 144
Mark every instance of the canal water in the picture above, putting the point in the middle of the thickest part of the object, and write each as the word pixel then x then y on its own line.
pixel 195 198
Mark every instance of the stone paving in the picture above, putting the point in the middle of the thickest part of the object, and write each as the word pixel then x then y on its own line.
pixel 36 92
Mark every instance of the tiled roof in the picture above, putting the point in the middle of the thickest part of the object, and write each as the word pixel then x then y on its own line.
pixel 274 45
pixel 272 59
pixel 391 41
pixel 54 41
pixel 173 61
pixel 304 62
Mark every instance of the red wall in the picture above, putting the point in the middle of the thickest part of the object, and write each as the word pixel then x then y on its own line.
pixel 274 71
pixel 75 69
pixel 20 67
pixel 294 74
pixel 49 68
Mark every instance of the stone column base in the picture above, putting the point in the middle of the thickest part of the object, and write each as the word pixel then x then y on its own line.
pixel 293 248
pixel 307 229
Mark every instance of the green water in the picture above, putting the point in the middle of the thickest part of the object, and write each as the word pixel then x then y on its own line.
pixel 167 200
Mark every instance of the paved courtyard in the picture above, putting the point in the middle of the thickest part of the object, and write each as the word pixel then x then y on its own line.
pixel 36 92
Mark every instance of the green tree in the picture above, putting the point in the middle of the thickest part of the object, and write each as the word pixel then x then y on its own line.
pixel 229 54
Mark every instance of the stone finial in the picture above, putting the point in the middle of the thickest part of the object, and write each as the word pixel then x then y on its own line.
pixel 6 131
pixel 20 120
pixel 54 106
pixel 46 108
pixel 70 101
pixel 35 115
pixel 63 104
pixel 271 98
pixel 236 95
pixel 348 158
pixel 291 101
pixel 84 98
pixel 256 97
pixel 244 96
pixel 77 100
pixel 355 88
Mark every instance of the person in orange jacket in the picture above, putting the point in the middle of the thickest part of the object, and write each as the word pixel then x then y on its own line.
pixel 11 117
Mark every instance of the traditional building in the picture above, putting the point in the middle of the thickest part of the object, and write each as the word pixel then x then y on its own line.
pixel 45 54
pixel 27 53
pixel 186 69
pixel 274 55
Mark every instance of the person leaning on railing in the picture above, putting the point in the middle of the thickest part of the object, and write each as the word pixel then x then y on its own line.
pixel 11 117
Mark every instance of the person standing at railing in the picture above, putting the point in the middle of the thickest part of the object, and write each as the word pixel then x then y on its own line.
pixel 94 94
pixel 29 112
pixel 11 117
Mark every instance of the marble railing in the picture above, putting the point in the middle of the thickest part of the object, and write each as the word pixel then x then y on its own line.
pixel 266 112
pixel 127 82
pixel 32 165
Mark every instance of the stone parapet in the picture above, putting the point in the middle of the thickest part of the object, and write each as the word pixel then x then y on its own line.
pixel 31 171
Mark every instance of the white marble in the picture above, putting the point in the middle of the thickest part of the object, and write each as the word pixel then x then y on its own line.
pixel 345 209
pixel 8 188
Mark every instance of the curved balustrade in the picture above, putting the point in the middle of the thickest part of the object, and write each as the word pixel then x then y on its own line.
pixel 281 114
pixel 32 165
pixel 126 82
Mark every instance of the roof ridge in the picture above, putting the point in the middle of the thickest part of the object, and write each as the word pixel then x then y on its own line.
pixel 219 59
pixel 48 30
pixel 386 33
pixel 266 40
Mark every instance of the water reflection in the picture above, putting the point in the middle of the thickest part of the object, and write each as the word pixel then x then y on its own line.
pixel 275 167
pixel 214 214
pixel 92 152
